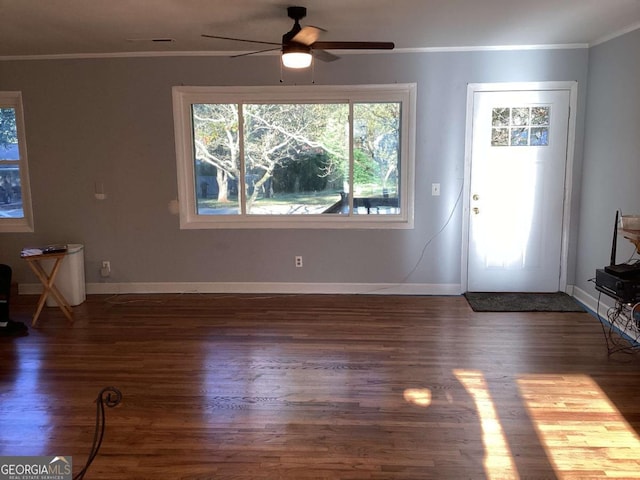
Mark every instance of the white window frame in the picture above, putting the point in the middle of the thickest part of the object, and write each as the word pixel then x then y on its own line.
pixel 24 224
pixel 185 97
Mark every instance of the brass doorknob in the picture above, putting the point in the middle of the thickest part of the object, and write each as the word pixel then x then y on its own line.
pixel 476 197
pixel 476 210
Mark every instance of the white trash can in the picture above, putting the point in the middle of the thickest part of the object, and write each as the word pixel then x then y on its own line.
pixel 70 278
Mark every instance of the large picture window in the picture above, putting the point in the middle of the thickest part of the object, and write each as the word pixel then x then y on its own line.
pixel 295 157
pixel 15 197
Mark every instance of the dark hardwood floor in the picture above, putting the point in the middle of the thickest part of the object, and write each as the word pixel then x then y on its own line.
pixel 320 387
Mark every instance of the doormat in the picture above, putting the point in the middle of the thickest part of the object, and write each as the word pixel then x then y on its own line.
pixel 522 302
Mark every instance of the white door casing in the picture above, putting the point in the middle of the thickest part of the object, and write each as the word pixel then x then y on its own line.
pixel 518 168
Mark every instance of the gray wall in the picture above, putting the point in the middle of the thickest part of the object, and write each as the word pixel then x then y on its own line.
pixel 110 121
pixel 611 173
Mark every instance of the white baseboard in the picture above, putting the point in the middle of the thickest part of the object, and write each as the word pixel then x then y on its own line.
pixel 591 302
pixel 260 288
pixel 599 307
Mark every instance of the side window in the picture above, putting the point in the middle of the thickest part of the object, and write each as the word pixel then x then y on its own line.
pixel 15 196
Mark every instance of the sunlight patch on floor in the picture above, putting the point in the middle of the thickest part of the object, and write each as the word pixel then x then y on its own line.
pixel 579 427
pixel 418 396
pixel 498 461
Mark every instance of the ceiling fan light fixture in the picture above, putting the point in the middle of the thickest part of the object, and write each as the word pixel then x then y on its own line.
pixel 296 56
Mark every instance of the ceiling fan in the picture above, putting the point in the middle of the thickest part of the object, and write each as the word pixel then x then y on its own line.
pixel 300 44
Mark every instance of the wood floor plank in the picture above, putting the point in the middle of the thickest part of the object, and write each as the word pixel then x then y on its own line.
pixel 320 387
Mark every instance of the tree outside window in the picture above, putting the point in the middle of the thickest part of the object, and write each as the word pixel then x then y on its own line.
pixel 15 210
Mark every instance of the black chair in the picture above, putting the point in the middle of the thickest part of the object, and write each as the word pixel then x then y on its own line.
pixel 8 328
pixel 5 291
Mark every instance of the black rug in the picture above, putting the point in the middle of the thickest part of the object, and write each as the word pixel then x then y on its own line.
pixel 522 302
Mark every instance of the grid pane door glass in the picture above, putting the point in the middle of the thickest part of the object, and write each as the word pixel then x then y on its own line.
pixel 520 126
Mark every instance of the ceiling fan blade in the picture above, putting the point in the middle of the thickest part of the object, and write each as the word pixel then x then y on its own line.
pixel 253 53
pixel 324 55
pixel 238 39
pixel 354 45
pixel 307 35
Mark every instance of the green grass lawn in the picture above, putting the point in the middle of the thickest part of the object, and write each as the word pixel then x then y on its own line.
pixel 327 198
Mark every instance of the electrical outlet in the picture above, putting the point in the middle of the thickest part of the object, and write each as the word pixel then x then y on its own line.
pixel 299 261
pixel 105 271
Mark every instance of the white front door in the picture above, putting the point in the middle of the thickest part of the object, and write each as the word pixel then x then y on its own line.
pixel 516 194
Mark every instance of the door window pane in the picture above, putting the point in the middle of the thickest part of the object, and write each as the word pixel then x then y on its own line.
pixel 539 136
pixel 520 126
pixel 540 115
pixel 520 116
pixel 519 136
pixel 501 117
pixel 499 137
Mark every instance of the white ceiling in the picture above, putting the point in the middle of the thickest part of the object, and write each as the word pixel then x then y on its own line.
pixel 105 27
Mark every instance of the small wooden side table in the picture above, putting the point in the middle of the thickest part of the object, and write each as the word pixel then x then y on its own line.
pixel 47 281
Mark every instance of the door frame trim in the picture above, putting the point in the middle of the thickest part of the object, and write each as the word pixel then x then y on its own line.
pixel 472 88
